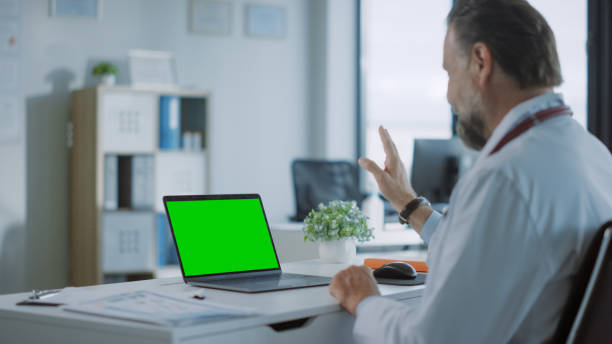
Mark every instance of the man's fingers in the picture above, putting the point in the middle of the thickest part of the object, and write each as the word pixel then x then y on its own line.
pixel 338 283
pixel 333 286
pixel 332 290
pixel 366 269
pixel 387 142
pixel 392 142
pixel 370 166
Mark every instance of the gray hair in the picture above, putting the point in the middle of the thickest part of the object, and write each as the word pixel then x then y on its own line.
pixel 517 35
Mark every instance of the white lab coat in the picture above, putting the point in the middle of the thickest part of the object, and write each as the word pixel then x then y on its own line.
pixel 501 260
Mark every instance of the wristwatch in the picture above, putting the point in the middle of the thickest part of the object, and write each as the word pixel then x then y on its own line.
pixel 413 205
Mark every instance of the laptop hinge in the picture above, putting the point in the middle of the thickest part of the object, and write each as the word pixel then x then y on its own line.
pixel 234 275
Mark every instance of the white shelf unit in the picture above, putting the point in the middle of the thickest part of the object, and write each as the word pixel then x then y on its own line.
pixel 119 174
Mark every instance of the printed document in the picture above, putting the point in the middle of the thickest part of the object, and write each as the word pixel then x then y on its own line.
pixel 155 308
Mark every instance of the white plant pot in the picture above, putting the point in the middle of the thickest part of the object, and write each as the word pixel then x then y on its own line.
pixel 108 79
pixel 337 251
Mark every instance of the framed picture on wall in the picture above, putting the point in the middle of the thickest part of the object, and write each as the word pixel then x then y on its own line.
pixel 89 9
pixel 265 21
pixel 211 17
pixel 149 68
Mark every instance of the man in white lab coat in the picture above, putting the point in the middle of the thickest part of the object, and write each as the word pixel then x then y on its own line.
pixel 502 259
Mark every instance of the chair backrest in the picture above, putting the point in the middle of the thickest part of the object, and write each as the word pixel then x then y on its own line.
pixel 588 313
pixel 321 181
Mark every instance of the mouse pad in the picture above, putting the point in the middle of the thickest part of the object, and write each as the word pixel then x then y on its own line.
pixel 420 279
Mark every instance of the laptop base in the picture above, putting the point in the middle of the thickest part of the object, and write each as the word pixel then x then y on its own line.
pixel 260 284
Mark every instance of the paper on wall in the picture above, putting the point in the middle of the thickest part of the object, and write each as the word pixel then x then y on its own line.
pixel 9 117
pixel 9 8
pixel 211 17
pixel 8 37
pixel 8 74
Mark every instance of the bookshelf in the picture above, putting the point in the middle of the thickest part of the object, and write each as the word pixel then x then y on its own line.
pixel 129 147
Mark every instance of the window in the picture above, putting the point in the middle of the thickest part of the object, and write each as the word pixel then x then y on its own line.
pixel 568 20
pixel 404 85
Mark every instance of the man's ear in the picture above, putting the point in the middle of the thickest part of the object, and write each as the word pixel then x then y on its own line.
pixel 481 63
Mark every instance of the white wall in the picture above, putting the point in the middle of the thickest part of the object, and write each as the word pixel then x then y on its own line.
pixel 12 216
pixel 258 112
pixel 13 198
pixel 264 111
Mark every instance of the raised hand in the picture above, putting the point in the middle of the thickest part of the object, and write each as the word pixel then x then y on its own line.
pixel 392 181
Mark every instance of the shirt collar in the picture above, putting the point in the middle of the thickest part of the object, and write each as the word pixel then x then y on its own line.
pixel 518 113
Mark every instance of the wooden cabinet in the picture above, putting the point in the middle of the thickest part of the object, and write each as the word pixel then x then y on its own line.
pixel 119 174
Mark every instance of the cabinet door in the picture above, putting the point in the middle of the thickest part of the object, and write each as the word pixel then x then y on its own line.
pixel 179 173
pixel 128 122
pixel 128 241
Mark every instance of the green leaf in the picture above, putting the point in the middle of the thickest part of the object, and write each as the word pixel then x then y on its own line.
pixel 336 220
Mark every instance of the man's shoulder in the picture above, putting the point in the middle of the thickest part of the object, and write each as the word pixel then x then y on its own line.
pixel 554 170
pixel 558 151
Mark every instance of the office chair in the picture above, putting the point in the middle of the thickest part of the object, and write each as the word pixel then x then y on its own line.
pixel 320 181
pixel 588 314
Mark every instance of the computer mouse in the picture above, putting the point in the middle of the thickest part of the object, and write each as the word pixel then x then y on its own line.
pixel 396 270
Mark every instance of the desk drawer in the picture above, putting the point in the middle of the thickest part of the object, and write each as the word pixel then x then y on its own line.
pixel 334 328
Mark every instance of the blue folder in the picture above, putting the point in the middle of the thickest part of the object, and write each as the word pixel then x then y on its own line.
pixel 166 252
pixel 169 122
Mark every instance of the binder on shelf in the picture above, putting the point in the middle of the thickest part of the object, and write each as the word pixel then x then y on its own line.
pixel 179 173
pixel 111 186
pixel 166 252
pixel 124 181
pixel 142 182
pixel 169 122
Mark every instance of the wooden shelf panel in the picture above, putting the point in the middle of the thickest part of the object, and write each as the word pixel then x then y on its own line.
pixel 87 170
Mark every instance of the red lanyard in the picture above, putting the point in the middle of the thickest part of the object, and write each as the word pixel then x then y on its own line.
pixel 530 123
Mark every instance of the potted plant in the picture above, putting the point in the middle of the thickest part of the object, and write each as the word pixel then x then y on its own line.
pixel 107 73
pixel 335 227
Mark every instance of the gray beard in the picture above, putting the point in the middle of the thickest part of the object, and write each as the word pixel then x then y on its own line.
pixel 471 132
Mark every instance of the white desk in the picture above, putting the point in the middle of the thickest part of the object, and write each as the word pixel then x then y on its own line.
pixel 290 245
pixel 317 316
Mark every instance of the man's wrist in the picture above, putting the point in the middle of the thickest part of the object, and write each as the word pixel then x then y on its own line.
pixel 400 204
pixel 419 217
pixel 411 207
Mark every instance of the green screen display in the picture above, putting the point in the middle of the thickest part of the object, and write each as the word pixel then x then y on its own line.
pixel 217 236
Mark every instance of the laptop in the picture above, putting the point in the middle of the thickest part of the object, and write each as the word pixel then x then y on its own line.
pixel 224 242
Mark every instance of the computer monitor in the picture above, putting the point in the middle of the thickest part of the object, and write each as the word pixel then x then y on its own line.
pixel 437 164
pixel 322 181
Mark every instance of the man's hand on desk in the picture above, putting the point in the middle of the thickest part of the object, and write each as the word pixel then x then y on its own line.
pixel 352 285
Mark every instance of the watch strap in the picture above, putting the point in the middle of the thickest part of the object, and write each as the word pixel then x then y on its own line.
pixel 409 208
